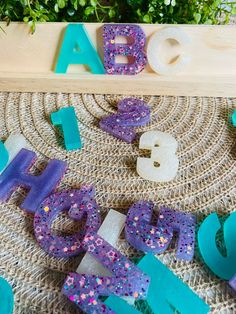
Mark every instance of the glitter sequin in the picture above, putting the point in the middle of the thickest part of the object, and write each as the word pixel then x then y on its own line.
pixel 134 50
pixel 127 280
pixel 132 113
pixel 156 240
pixel 67 246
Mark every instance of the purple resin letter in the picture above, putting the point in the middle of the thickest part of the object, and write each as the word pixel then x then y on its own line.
pixel 17 174
pixel 79 203
pixel 232 282
pixel 132 113
pixel 145 237
pixel 134 50
pixel 127 280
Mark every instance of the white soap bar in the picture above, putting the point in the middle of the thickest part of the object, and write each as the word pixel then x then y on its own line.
pixel 110 231
pixel 14 144
pixel 163 164
pixel 153 50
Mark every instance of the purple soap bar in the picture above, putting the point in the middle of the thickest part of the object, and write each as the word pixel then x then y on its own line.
pixel 134 51
pixel 17 174
pixel 145 237
pixel 127 280
pixel 132 113
pixel 232 282
pixel 79 203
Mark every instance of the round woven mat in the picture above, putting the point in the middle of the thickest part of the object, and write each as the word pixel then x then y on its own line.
pixel 205 183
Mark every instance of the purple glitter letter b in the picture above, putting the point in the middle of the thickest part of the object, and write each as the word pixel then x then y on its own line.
pixel 16 174
pixel 134 50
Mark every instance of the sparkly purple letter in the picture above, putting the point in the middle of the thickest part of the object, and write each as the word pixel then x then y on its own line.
pixel 127 279
pixel 16 174
pixel 79 203
pixel 132 113
pixel 134 50
pixel 156 240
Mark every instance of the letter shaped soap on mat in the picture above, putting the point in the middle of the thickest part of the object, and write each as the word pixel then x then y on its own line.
pixel 147 238
pixel 163 164
pixel 78 49
pixel 16 174
pixel 167 294
pixel 66 118
pixel 4 156
pixel 13 145
pixel 126 280
pixel 6 297
pixel 223 266
pixel 132 113
pixel 79 203
pixel 234 118
pixel 134 51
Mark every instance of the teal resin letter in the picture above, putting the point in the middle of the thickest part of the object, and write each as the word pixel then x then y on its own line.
pixel 78 49
pixel 4 156
pixel 223 266
pixel 6 297
pixel 166 294
pixel 66 119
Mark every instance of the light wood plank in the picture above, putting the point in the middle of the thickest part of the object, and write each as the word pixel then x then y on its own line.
pixel 27 62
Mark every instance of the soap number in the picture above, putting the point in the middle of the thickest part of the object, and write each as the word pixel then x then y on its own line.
pixel 163 164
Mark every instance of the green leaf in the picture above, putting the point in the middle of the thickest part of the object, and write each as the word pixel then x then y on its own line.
pixel 147 18
pixel 233 10
pixel 197 17
pixel 167 2
pixel 56 8
pixel 93 3
pixel 88 11
pixel 82 3
pixel 61 3
pixel 111 13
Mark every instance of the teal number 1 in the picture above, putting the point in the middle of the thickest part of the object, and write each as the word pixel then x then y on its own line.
pixel 66 119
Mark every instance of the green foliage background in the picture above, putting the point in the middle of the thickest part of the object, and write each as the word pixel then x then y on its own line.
pixel 129 11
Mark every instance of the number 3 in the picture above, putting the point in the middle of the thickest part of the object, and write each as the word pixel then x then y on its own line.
pixel 163 164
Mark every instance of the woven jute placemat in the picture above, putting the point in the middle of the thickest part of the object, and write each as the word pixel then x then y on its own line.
pixel 205 183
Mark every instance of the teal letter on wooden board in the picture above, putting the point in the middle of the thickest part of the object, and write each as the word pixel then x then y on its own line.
pixel 166 294
pixel 78 49
pixel 223 266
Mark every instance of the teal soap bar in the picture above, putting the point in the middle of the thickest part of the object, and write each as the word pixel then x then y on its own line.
pixel 66 119
pixel 6 297
pixel 4 156
pixel 223 266
pixel 166 295
pixel 234 118
pixel 77 48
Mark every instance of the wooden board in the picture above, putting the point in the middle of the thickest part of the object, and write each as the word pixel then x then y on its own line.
pixel 27 62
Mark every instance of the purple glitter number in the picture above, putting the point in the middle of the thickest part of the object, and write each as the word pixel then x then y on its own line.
pixel 127 280
pixel 16 174
pixel 132 112
pixel 156 240
pixel 134 50
pixel 79 203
